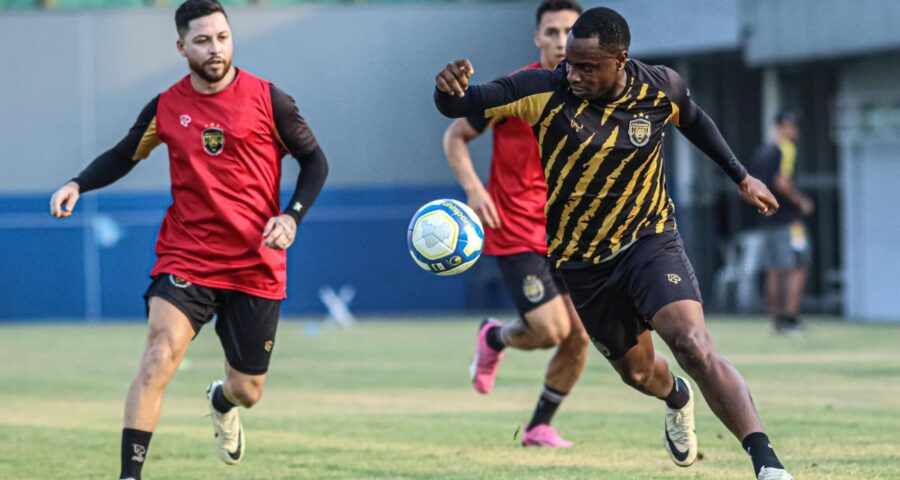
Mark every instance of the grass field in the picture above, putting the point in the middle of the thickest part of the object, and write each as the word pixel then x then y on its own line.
pixel 391 400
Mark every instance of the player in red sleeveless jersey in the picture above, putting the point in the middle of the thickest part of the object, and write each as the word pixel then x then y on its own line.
pixel 221 247
pixel 512 209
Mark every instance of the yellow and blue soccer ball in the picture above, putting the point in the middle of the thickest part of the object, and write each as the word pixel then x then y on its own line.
pixel 445 237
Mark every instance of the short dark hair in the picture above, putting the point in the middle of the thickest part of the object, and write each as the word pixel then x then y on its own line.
pixel 193 9
pixel 786 116
pixel 607 25
pixel 557 6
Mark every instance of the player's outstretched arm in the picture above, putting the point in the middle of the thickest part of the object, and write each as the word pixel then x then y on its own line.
pixel 456 148
pixel 697 127
pixel 456 98
pixel 112 164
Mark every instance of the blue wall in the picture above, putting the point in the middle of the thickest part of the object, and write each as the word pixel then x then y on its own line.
pixel 352 236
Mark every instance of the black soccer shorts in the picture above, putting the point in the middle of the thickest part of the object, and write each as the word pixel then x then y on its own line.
pixel 617 299
pixel 245 323
pixel 530 279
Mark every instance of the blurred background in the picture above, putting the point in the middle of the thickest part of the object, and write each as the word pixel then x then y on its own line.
pixel 75 73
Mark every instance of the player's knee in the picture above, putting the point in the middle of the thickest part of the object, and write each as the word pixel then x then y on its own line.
pixel 158 365
pixel 636 377
pixel 578 338
pixel 549 331
pixel 694 351
pixel 247 393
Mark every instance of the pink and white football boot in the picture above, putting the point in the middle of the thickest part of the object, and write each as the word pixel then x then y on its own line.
pixel 544 436
pixel 483 369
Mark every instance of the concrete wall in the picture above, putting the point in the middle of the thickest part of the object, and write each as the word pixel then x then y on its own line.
pixel 784 31
pixel 868 132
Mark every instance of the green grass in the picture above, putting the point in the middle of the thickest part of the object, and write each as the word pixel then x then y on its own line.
pixel 391 400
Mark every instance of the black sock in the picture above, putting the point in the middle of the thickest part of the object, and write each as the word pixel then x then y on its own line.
pixel 761 452
pixel 679 395
pixel 219 402
pixel 546 407
pixel 134 450
pixel 494 339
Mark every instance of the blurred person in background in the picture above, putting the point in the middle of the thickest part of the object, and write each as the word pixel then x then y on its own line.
pixel 512 209
pixel 786 252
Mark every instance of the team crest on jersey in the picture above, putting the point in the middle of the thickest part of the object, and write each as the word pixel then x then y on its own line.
pixel 533 288
pixel 639 130
pixel 213 139
pixel 673 278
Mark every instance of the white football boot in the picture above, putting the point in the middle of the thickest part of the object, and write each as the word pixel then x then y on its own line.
pixel 768 473
pixel 679 437
pixel 228 429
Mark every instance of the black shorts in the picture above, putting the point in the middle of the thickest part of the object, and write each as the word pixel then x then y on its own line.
pixel 531 280
pixel 617 299
pixel 245 323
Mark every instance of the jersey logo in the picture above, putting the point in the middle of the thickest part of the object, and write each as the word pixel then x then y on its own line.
pixel 639 130
pixel 533 288
pixel 185 120
pixel 213 139
pixel 673 278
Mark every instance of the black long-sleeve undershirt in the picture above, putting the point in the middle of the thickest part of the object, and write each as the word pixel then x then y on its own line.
pixel 693 122
pixel 293 132
pixel 299 141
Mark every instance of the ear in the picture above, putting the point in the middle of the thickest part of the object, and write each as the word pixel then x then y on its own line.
pixel 537 34
pixel 179 44
pixel 622 59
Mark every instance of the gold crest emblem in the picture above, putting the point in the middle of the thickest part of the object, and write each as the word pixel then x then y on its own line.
pixel 639 130
pixel 268 346
pixel 675 279
pixel 533 288
pixel 213 139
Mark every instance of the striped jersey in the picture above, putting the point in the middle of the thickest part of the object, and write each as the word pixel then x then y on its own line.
pixel 602 159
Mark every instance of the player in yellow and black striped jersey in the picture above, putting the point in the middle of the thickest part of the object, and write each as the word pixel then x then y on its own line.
pixel 600 120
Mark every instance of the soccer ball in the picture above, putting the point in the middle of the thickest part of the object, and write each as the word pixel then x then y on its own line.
pixel 445 237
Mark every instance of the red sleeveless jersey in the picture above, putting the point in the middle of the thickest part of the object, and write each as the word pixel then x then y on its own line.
pixel 225 163
pixel 518 188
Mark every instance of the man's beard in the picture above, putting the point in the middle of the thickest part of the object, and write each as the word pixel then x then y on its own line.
pixel 199 69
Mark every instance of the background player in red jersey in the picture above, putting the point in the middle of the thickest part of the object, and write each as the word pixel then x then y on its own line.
pixel 512 209
pixel 221 246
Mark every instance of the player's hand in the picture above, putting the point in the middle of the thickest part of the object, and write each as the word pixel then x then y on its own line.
pixel 454 78
pixel 757 194
pixel 63 201
pixel 483 204
pixel 806 206
pixel 280 232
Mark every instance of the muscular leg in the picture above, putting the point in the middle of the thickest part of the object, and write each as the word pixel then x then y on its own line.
pixel 568 362
pixel 681 325
pixel 544 327
pixel 169 333
pixel 644 370
pixel 242 389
